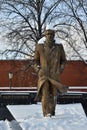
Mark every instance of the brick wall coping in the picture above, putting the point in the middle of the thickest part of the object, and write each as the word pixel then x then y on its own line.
pixel 18 88
pixel 78 87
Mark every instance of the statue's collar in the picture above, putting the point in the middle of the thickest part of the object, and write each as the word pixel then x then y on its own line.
pixel 49 46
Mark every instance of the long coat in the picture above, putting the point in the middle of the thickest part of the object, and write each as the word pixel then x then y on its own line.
pixel 50 62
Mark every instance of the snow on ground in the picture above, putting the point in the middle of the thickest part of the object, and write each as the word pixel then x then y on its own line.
pixel 29 117
pixel 4 125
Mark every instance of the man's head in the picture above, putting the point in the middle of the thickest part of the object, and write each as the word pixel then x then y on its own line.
pixel 49 32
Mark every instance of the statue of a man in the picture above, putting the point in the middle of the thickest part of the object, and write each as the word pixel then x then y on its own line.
pixel 50 61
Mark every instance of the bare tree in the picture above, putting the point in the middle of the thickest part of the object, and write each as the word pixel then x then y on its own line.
pixel 25 21
pixel 72 25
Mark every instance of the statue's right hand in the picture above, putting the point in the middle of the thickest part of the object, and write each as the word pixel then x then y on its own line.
pixel 36 67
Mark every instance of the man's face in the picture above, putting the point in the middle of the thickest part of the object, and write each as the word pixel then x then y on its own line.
pixel 49 36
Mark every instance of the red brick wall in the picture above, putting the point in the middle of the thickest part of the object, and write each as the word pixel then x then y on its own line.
pixel 75 73
pixel 22 78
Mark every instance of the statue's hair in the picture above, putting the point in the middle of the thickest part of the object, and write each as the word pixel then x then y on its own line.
pixel 49 32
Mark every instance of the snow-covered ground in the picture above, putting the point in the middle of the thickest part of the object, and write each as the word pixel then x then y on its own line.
pixel 29 117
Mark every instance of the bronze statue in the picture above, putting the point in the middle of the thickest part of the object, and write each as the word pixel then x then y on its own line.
pixel 50 61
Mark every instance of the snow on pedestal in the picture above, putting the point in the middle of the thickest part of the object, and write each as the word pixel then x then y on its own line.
pixel 68 117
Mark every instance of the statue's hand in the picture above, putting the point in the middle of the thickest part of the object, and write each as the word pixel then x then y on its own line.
pixel 37 68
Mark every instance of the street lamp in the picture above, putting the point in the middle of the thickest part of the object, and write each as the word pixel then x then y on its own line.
pixel 10 79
